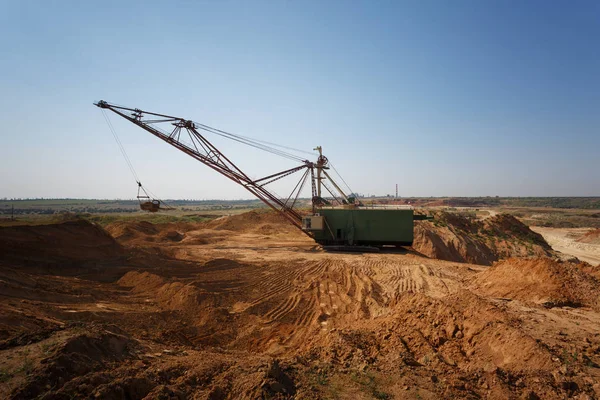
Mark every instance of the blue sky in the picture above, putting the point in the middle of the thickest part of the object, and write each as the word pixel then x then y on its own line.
pixel 461 98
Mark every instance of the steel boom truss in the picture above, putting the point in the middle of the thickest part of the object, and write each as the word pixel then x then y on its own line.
pixel 205 152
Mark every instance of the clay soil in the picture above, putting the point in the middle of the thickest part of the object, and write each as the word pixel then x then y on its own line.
pixel 247 307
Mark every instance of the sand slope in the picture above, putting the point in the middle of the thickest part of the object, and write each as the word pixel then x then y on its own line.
pixel 456 238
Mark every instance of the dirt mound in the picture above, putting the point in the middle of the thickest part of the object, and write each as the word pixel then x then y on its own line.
pixel 173 236
pixel 262 222
pixel 175 374
pixel 172 294
pixel 78 355
pixel 592 237
pixel 127 230
pixel 471 345
pixel 454 237
pixel 227 298
pixel 16 283
pixel 461 330
pixel 58 246
pixel 141 282
pixel 134 233
pixel 355 316
pixel 205 309
pixel 204 236
pixel 541 281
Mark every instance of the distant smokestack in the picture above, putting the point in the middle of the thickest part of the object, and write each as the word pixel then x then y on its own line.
pixel 396 190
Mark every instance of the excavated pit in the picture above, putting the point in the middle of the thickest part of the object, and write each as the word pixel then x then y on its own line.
pixel 246 307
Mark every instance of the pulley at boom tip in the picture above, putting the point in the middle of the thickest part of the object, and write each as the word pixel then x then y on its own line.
pixel 101 104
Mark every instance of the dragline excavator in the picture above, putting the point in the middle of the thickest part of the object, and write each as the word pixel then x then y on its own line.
pixel 337 220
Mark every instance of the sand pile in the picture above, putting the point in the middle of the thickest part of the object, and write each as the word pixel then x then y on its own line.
pixel 18 283
pixel 134 232
pixel 454 237
pixel 140 234
pixel 76 356
pixel 592 237
pixel 64 245
pixel 262 222
pixel 346 315
pixel 141 282
pixel 106 365
pixel 541 281
pixel 126 230
pixel 205 309
pixel 461 330
pixel 172 294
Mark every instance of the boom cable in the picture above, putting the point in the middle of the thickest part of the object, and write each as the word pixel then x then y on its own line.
pixel 125 156
pixel 250 142
pixel 259 144
pixel 338 174
pixel 312 153
pixel 129 163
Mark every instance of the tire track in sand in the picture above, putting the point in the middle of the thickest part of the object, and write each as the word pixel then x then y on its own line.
pixel 297 299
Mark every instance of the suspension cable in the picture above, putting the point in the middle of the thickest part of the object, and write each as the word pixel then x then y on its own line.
pixel 312 153
pixel 252 144
pixel 259 144
pixel 338 174
pixel 129 163
pixel 120 145
pixel 250 139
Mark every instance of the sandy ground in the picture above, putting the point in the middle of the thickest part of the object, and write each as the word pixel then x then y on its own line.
pixel 258 311
pixel 564 240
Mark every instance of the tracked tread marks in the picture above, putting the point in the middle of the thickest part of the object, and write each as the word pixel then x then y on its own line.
pixel 295 298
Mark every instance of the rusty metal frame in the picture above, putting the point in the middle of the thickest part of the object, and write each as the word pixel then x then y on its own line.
pixel 212 157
